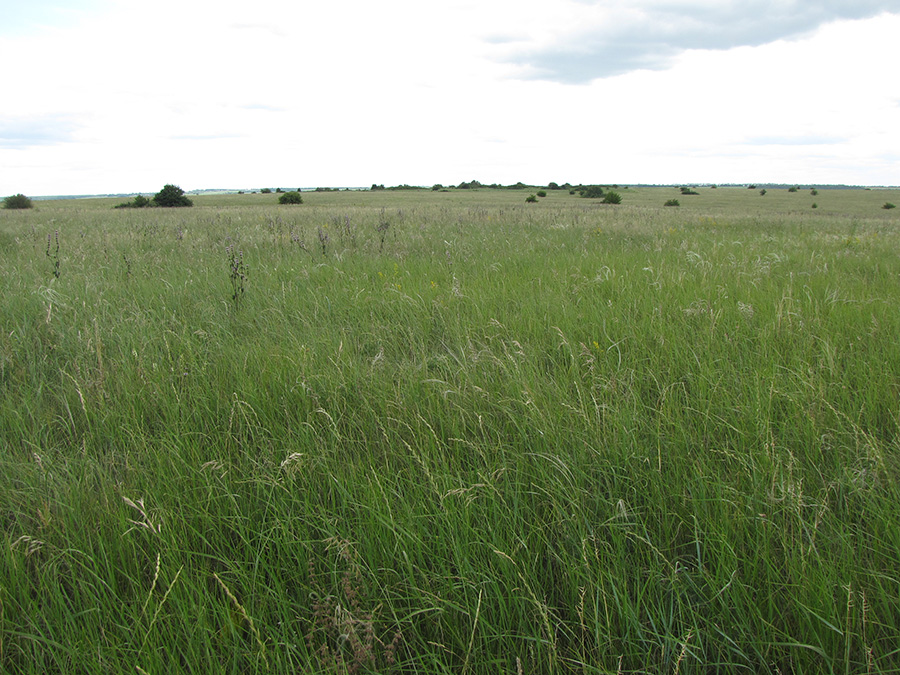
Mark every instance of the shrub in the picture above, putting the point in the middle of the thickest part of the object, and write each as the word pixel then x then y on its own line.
pixel 763 192
pixel 815 206
pixel 793 189
pixel 688 191
pixel 592 192
pixel 18 201
pixel 672 202
pixel 612 197
pixel 531 199
pixel 290 198
pixel 542 193
pixel 814 192
pixel 139 202
pixel 888 205
pixel 265 191
pixel 171 196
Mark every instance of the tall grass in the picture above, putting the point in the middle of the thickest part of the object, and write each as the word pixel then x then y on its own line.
pixel 483 438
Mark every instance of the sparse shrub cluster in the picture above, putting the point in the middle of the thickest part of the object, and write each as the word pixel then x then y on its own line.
pixel 292 197
pixel 672 202
pixel 592 192
pixel 888 205
pixel 18 201
pixel 612 197
pixel 169 196
pixel 139 202
pixel 689 191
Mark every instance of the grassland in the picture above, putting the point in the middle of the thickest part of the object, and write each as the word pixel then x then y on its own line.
pixel 422 432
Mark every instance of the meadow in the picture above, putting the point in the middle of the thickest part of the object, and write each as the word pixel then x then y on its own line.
pixel 425 432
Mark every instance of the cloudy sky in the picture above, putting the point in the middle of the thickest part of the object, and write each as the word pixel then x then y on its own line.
pixel 115 96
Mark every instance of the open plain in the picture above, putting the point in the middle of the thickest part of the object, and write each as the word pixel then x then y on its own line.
pixel 452 432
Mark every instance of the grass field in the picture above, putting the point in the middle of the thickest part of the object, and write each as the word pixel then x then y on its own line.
pixel 424 432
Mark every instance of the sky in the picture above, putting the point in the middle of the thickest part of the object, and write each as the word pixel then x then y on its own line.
pixel 113 96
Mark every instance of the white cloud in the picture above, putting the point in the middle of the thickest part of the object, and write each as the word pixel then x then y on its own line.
pixel 603 38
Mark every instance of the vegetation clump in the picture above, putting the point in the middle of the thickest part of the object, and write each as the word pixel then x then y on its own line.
pixel 672 202
pixel 592 192
pixel 888 205
pixel 171 196
pixel 292 197
pixel 18 201
pixel 139 202
pixel 612 197
pixel 531 199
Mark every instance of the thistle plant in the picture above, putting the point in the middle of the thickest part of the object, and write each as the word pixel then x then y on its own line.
pixel 53 253
pixel 298 240
pixel 238 274
pixel 382 228
pixel 323 240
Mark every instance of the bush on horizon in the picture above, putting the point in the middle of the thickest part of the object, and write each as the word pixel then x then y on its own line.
pixel 18 201
pixel 171 196
pixel 292 197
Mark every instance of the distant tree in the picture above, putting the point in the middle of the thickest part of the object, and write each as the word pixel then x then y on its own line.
pixel 553 186
pixel 377 187
pixel 171 196
pixel 436 187
pixel 290 198
pixel 612 197
pixel 793 189
pixel 279 191
pixel 751 187
pixel 18 201
pixel 763 192
pixel 592 192
pixel 265 191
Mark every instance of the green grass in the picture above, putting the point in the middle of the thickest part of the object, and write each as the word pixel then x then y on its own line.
pixel 471 435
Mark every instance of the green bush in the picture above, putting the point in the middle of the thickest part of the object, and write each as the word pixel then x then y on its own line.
pixel 18 201
pixel 888 205
pixel 531 199
pixel 290 198
pixel 542 193
pixel 592 192
pixel 171 196
pixel 265 191
pixel 139 202
pixel 672 202
pixel 612 197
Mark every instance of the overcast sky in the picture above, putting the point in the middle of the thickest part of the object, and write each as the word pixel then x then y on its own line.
pixel 114 96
